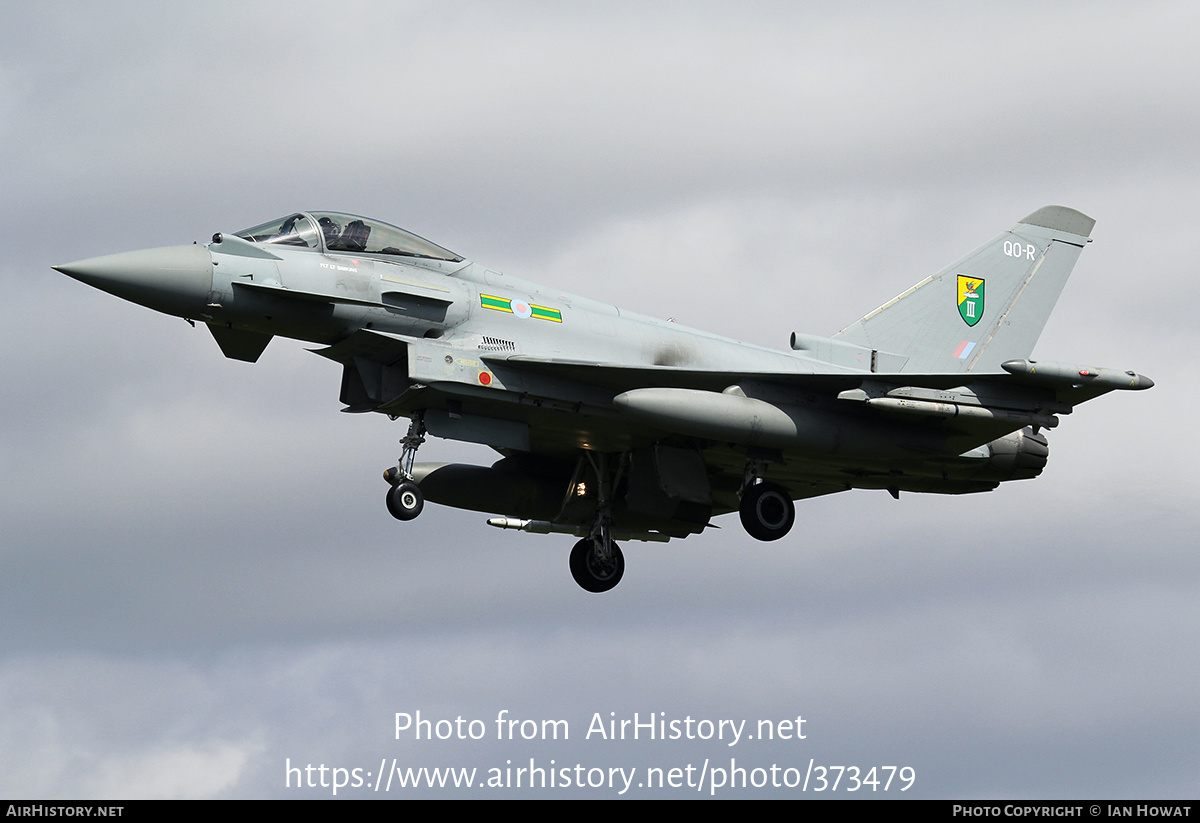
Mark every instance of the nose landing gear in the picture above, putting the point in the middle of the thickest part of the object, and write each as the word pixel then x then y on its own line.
pixel 404 498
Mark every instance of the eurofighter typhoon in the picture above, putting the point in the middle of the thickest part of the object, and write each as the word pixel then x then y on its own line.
pixel 612 426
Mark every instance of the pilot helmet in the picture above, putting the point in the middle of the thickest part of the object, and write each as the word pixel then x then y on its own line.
pixel 331 229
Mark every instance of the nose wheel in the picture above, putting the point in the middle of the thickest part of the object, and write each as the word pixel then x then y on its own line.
pixel 593 572
pixel 405 501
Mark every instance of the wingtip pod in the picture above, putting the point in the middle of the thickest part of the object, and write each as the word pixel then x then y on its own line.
pixel 1061 218
pixel 1044 371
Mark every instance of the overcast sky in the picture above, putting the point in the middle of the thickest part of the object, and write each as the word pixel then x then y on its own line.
pixel 198 578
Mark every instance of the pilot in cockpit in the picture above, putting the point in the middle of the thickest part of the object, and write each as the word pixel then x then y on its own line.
pixel 331 230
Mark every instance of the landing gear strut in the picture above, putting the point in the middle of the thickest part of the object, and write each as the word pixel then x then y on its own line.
pixel 404 498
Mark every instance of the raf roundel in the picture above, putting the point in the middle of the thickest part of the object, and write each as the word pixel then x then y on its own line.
pixel 485 378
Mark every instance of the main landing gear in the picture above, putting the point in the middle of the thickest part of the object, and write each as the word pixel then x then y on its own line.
pixel 404 498
pixel 597 571
pixel 596 561
pixel 766 510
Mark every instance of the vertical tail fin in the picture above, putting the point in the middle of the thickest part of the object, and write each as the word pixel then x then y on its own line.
pixel 989 307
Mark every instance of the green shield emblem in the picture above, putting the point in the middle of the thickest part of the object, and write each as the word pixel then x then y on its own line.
pixel 970 299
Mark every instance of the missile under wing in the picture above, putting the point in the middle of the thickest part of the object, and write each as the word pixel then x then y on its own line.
pixel 612 426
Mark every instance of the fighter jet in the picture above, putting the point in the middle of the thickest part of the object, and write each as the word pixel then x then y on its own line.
pixel 612 426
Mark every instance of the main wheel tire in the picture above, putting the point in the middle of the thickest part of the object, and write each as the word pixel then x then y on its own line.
pixel 590 573
pixel 405 501
pixel 767 512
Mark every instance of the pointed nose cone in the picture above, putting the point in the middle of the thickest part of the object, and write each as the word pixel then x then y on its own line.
pixel 174 280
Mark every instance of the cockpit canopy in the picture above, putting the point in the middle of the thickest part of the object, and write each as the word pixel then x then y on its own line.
pixel 333 231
